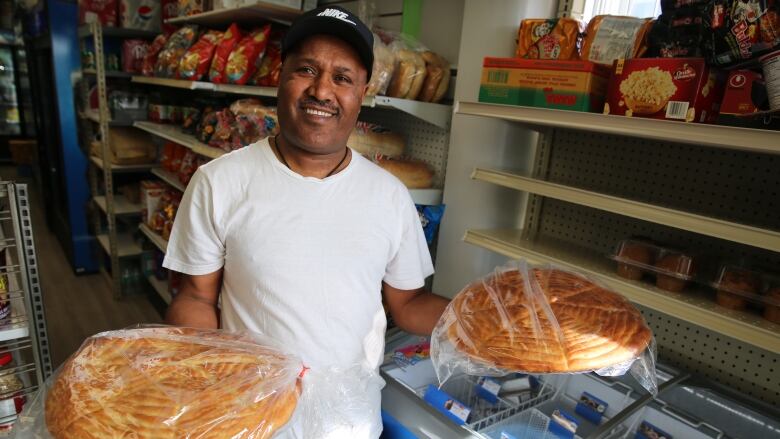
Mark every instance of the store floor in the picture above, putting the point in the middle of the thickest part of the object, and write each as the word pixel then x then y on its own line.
pixel 75 306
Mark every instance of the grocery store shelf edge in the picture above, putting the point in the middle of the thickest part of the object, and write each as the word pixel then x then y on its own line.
pixel 122 206
pixel 174 134
pixel 125 247
pixel 735 232
pixel 122 168
pixel 169 177
pixel 222 18
pixel 748 139
pixel 703 312
pixel 156 239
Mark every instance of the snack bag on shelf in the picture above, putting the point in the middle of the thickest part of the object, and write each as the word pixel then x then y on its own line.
pixel 540 319
pixel 437 78
pixel 223 130
pixel 98 11
pixel 168 59
pixel 196 61
pixel 371 139
pixel 191 7
pixel 384 66
pixel 150 59
pixel 679 33
pixel 414 174
pixel 245 58
pixel 133 55
pixel 207 125
pixel 267 74
pixel 253 122
pixel 227 43
pixel 178 155
pixel 738 30
pixel 611 37
pixel 151 194
pixel 189 164
pixel 557 38
pixel 140 14
pixel 170 9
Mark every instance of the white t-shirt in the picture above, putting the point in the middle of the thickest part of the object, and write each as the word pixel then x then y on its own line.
pixel 303 258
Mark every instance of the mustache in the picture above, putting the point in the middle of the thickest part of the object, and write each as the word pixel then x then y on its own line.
pixel 320 104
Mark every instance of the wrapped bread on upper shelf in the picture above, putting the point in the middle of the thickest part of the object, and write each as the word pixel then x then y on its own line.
pixel 414 174
pixel 417 74
pixel 437 78
pixel 371 139
pixel 542 319
pixel 155 382
pixel 384 66
pixel 408 76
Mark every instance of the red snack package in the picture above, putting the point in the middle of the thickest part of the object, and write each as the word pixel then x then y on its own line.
pixel 170 9
pixel 178 43
pixel 189 163
pixel 100 11
pixel 133 55
pixel 243 61
pixel 166 156
pixel 268 73
pixel 196 60
pixel 178 155
pixel 225 47
pixel 147 67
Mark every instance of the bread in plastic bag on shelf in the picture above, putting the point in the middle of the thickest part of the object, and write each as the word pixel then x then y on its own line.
pixel 542 319
pixel 159 381
pixel 384 66
pixel 437 78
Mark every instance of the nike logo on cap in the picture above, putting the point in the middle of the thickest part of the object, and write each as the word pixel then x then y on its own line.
pixel 335 13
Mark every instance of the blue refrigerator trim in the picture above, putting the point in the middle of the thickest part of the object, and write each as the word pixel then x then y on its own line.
pixel 63 19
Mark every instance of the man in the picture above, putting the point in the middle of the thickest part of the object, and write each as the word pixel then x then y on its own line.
pixel 297 237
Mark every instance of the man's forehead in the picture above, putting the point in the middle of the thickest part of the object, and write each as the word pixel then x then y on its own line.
pixel 321 47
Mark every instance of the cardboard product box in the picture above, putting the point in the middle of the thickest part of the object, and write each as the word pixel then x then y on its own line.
pixel 564 85
pixel 128 146
pixel 746 103
pixel 683 89
pixel 151 194
pixel 140 14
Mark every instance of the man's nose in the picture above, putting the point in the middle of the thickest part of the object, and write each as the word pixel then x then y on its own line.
pixel 321 88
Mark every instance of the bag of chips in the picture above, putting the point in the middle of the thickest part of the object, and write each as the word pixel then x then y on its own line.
pixel 152 52
pixel 245 58
pixel 177 45
pixel 611 37
pixel 549 39
pixel 227 43
pixel 271 66
pixel 195 62
pixel 739 30
pixel 133 55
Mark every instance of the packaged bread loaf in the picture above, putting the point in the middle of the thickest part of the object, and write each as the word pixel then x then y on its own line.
pixel 408 76
pixel 384 66
pixel 437 78
pixel 611 37
pixel 370 140
pixel 414 174
pixel 541 319
pixel 548 39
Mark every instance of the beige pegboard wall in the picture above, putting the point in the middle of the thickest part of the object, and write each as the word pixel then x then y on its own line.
pixel 738 186
pixel 424 141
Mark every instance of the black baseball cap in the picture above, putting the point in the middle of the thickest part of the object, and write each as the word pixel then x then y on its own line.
pixel 336 21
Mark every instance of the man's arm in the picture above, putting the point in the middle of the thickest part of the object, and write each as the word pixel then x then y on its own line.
pixel 414 311
pixel 195 305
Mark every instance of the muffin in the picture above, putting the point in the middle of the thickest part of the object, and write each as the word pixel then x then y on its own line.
pixel 638 254
pixel 737 281
pixel 680 269
pixel 772 311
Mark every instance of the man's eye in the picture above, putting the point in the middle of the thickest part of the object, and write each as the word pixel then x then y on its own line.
pixel 344 79
pixel 307 70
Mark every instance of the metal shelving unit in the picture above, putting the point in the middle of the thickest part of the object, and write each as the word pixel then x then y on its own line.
pixel 154 237
pixel 169 177
pixel 110 205
pixel 175 134
pixel 23 333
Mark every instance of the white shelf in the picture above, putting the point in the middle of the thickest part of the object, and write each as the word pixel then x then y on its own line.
pixel 436 114
pixel 694 307
pixel 121 205
pixel 156 239
pixel 161 287
pixel 169 177
pixel 250 15
pixel 14 331
pixel 735 232
pixel 174 134
pixel 123 168
pixel 125 247
pixel 426 197
pixel 755 140
pixel 117 32
pixel 109 73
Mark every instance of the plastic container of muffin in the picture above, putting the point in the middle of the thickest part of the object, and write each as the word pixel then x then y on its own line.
pixel 739 287
pixel 673 269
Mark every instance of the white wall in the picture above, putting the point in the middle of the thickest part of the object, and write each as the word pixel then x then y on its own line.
pixel 489 29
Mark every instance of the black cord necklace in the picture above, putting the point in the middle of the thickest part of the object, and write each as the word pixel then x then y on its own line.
pixel 284 161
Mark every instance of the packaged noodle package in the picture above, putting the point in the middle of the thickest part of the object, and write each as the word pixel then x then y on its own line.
pixel 542 319
pixel 157 381
pixel 611 37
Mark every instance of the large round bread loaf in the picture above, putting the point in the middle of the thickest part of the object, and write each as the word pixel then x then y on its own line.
pixel 166 383
pixel 497 324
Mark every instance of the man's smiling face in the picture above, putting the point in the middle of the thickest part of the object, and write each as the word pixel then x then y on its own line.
pixel 321 88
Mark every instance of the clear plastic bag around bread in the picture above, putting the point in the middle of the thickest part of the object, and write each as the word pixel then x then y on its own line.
pixel 409 72
pixel 160 381
pixel 384 66
pixel 542 319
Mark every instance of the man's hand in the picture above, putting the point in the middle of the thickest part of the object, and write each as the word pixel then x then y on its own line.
pixel 195 305
pixel 414 311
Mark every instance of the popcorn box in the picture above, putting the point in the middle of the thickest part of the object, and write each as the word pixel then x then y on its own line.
pixel 564 85
pixel 684 89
